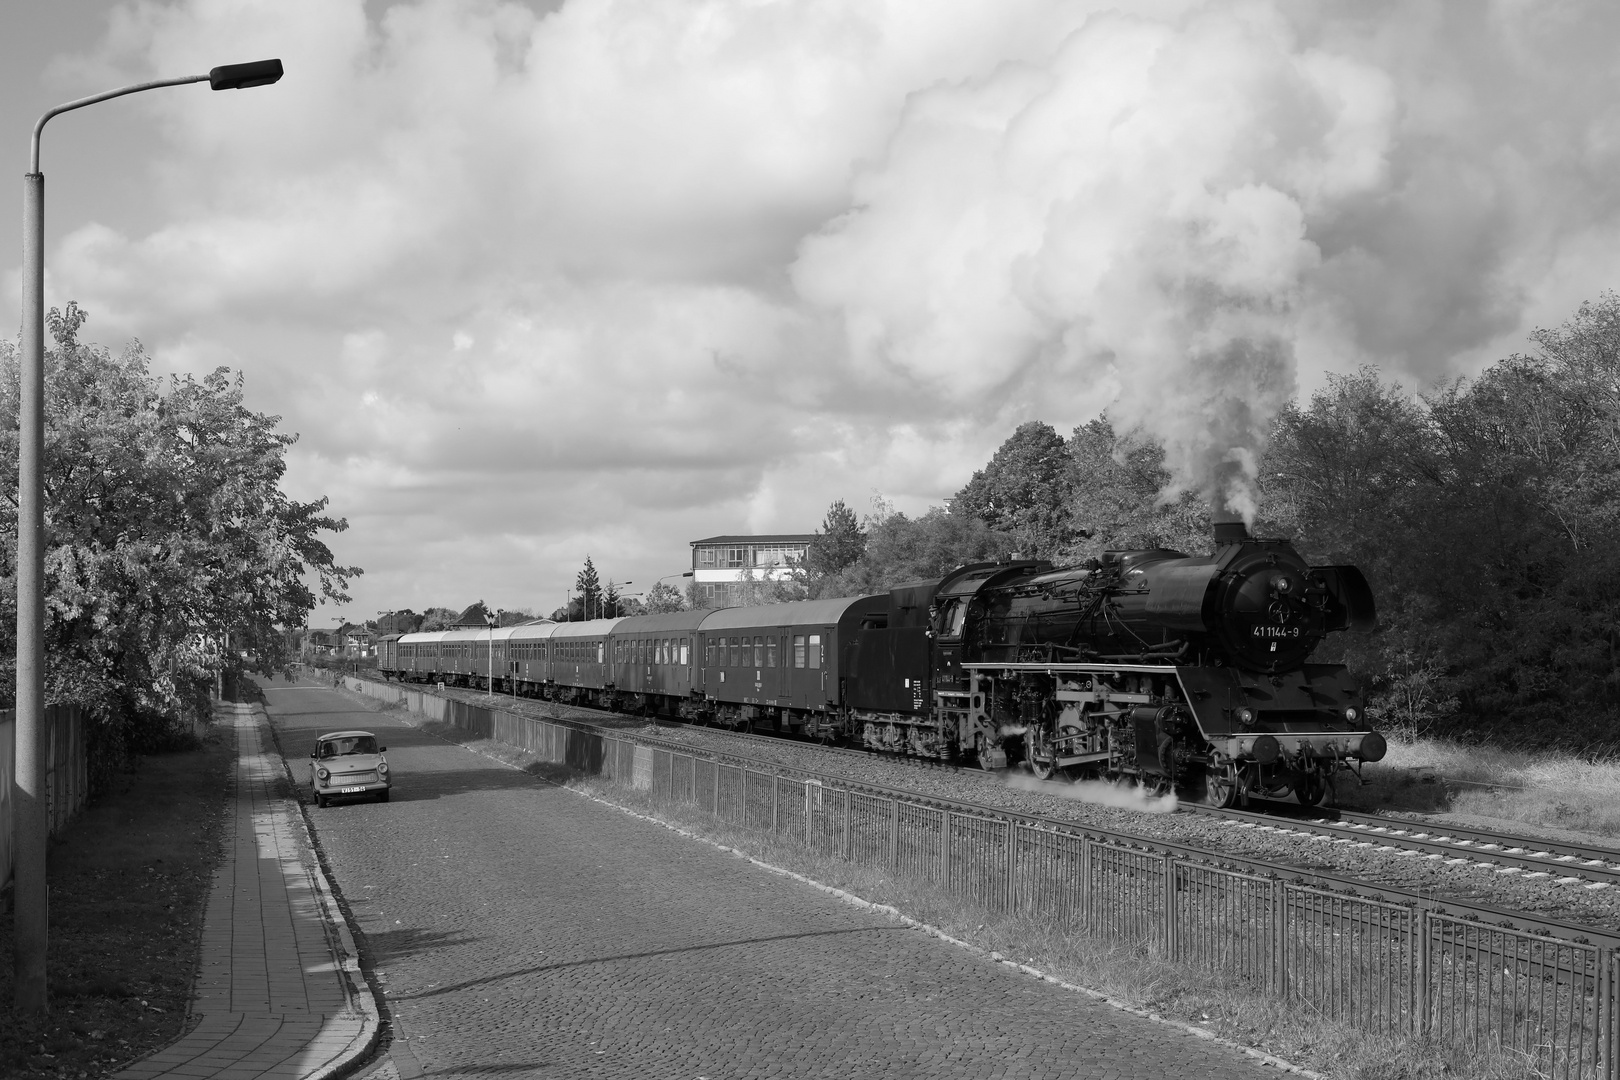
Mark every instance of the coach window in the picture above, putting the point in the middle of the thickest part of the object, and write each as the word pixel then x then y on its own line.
pixel 708 652
pixel 759 651
pixel 813 655
pixel 735 659
pixel 686 652
pixel 798 650
pixel 770 651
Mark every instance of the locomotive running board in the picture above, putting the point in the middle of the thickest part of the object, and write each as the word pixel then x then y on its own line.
pixel 1215 695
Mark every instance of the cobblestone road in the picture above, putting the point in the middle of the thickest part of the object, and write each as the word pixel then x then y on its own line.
pixel 521 930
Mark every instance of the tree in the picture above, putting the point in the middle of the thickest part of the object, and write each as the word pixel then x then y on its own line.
pixel 438 618
pixel 664 597
pixel 1114 500
pixel 1484 514
pixel 166 529
pixel 610 601
pixel 403 621
pixel 902 549
pixel 588 586
pixel 1024 490
pixel 837 545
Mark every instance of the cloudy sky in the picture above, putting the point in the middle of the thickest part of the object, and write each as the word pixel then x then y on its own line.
pixel 537 280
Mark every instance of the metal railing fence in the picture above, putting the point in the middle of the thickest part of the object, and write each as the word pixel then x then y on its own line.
pixel 1386 961
pixel 67 776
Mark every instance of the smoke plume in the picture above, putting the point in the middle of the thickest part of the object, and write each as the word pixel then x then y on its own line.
pixel 1132 214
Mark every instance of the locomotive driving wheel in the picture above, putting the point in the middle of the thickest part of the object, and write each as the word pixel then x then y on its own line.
pixel 1040 755
pixel 1221 787
pixel 1311 787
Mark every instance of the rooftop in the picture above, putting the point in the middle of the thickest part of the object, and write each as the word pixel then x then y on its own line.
pixel 762 538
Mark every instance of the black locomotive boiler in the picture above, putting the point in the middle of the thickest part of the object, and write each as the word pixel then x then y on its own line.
pixel 1182 672
pixel 1179 672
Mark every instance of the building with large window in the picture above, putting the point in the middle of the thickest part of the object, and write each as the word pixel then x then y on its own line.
pixel 719 563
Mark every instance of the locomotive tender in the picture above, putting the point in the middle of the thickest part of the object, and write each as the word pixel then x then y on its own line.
pixel 1179 672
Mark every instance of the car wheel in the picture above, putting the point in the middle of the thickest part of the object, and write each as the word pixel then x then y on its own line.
pixel 320 800
pixel 382 796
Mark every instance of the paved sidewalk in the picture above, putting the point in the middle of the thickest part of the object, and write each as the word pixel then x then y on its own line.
pixel 279 992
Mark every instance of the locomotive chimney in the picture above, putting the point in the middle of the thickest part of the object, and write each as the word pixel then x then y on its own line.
pixel 1229 527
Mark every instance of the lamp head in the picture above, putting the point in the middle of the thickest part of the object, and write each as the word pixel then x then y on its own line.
pixel 242 76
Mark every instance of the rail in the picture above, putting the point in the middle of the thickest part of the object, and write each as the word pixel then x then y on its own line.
pixel 1389 962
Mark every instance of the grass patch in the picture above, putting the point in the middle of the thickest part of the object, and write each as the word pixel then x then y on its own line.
pixel 1122 971
pixel 128 883
pixel 1537 788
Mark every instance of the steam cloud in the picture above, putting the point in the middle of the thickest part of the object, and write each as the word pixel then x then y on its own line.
pixel 1099 793
pixel 1134 212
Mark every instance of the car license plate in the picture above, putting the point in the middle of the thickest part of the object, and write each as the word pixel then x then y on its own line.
pixel 351 790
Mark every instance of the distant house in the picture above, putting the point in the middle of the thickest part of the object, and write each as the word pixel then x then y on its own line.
pixel 719 563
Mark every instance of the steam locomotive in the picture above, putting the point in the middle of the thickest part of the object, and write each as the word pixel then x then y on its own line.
pixel 1186 673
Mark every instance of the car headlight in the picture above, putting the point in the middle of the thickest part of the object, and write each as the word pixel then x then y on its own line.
pixel 322 773
pixel 382 768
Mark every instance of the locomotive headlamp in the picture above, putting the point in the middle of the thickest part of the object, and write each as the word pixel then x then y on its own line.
pixel 1352 714
pixel 1282 583
pixel 1245 716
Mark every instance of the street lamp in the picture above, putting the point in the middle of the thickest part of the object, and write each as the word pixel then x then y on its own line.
pixel 492 618
pixel 29 783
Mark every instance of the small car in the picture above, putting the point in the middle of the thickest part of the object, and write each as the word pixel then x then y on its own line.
pixel 347 765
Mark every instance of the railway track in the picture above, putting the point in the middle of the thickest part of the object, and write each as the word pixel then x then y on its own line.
pixel 1533 858
pixel 1526 858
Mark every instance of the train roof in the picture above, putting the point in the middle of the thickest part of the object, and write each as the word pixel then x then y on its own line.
pixel 537 630
pixel 796 613
pixel 668 620
pixel 422 637
pixel 589 628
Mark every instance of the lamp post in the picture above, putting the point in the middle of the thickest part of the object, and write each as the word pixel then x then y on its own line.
pixel 491 618
pixel 29 783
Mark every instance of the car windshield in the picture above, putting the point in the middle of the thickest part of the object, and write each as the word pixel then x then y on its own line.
pixel 349 744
